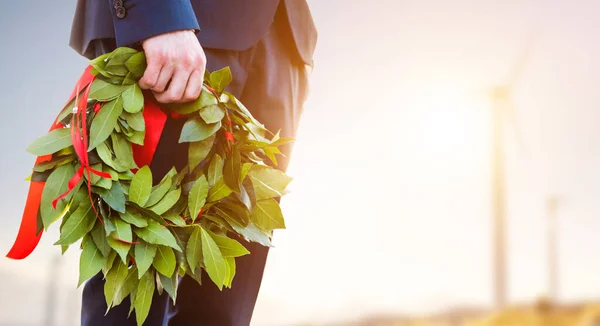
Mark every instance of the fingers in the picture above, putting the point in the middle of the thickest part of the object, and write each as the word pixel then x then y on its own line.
pixel 184 86
pixel 150 77
pixel 176 64
pixel 176 88
pixel 166 73
pixel 194 86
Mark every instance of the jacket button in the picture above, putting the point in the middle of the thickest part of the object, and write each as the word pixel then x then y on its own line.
pixel 121 12
pixel 118 3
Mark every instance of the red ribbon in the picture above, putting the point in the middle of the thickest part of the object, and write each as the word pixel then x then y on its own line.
pixel 27 238
pixel 79 138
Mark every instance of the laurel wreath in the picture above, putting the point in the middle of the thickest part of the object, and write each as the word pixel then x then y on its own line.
pixel 144 234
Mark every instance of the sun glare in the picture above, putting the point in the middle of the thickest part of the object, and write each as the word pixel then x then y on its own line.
pixel 447 119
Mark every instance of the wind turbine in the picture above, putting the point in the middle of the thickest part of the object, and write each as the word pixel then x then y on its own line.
pixel 553 277
pixel 503 113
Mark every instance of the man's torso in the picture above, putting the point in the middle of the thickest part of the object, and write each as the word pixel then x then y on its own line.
pixel 225 24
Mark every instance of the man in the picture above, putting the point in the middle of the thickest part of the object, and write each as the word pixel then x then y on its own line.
pixel 268 44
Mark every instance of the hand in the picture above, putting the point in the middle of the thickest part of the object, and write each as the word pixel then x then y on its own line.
pixel 176 64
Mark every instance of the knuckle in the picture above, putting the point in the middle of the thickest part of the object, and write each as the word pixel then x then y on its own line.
pixel 190 96
pixel 159 88
pixel 161 56
pixel 160 98
pixel 200 59
pixel 170 97
pixel 196 93
pixel 187 61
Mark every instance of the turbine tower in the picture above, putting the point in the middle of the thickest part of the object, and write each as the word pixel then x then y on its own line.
pixel 503 116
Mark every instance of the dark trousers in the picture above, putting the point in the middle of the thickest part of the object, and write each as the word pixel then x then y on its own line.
pixel 271 80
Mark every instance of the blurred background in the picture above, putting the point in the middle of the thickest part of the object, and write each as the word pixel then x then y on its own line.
pixel 446 169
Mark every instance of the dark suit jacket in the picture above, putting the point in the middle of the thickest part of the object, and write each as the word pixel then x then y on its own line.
pixel 223 24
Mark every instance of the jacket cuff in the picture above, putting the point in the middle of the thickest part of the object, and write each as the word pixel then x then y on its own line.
pixel 137 20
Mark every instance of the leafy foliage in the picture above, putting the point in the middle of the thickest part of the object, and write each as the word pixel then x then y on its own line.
pixel 143 235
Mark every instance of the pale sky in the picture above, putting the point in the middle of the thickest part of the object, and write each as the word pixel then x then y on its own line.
pixel 390 209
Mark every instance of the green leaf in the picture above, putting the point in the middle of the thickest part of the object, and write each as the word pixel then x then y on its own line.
pixel 246 195
pixel 135 121
pixel 212 113
pixel 133 99
pixel 268 182
pixel 182 234
pixel 51 142
pixel 98 181
pixel 115 63
pixel 197 197
pixel 218 191
pixel 106 156
pixel 116 69
pixel 229 247
pixel 123 151
pixel 175 218
pixel 220 79
pixel 159 191
pixel 104 91
pixel 157 234
pixel 270 152
pixel 109 262
pixel 149 214
pixel 122 232
pixel 121 52
pixel 91 262
pixel 219 221
pixel 77 225
pixel 245 169
pixel 99 63
pixel 230 261
pixel 131 281
pixel 136 64
pixel 56 185
pixel 121 248
pixel 143 297
pixel 104 122
pixel 206 98
pixel 131 301
pixel 165 261
pixel 197 151
pixel 130 79
pixel 141 186
pixel 231 170
pixel 250 232
pixel 114 175
pixel 267 215
pixel 127 175
pixel 167 202
pixel 213 260
pixel 170 285
pixel 194 248
pixel 137 137
pixel 144 254
pixel 114 280
pixel 215 170
pixel 196 129
pixel 239 107
pixel 124 126
pixel 135 218
pixel 234 211
pixel 115 197
pixel 109 226
pixel 99 238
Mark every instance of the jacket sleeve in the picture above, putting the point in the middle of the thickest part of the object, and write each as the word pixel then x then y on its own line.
pixel 137 20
